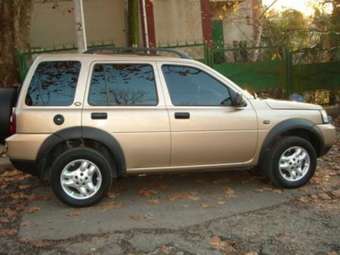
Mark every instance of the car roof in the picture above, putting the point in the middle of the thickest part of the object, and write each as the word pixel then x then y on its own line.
pixel 109 57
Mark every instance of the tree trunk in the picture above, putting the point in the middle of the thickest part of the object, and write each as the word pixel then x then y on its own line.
pixel 335 39
pixel 15 19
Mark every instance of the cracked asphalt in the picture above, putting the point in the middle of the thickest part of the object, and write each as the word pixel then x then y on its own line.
pixel 233 212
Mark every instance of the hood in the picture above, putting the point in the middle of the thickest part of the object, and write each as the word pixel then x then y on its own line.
pixel 290 105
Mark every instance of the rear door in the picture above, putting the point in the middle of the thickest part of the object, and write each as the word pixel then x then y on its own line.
pixel 125 100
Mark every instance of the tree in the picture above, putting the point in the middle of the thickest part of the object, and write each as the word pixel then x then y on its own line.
pixel 285 29
pixel 15 17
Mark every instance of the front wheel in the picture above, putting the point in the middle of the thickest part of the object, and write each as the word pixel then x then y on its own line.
pixel 291 162
pixel 81 177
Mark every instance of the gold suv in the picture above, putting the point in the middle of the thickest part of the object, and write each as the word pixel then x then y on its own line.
pixel 81 120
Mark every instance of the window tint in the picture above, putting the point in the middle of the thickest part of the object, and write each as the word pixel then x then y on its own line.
pixel 123 84
pixel 190 86
pixel 53 84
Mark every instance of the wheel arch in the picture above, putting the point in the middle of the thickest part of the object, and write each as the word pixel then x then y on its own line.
pixel 82 135
pixel 294 127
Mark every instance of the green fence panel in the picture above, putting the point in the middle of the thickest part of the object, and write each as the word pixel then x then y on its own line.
pixel 255 76
pixel 308 77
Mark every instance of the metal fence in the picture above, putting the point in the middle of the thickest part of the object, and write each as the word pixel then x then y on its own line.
pixel 25 58
pixel 254 68
pixel 267 68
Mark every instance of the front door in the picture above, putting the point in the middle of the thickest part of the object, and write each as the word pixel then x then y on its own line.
pixel 205 128
pixel 125 101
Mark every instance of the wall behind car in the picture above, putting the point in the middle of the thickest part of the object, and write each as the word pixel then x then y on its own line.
pixel 53 22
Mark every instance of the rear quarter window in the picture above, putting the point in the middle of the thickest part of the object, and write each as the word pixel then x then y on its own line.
pixel 53 84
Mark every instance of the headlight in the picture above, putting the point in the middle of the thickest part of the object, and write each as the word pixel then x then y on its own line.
pixel 324 116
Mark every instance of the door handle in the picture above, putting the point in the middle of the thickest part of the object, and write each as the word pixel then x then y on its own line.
pixel 99 115
pixel 182 115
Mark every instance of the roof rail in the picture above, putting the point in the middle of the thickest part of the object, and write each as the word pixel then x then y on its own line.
pixel 147 51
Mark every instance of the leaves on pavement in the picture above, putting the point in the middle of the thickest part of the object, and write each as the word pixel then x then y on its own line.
pixel 193 196
pixel 218 244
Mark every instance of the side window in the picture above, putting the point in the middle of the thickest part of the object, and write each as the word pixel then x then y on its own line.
pixel 53 84
pixel 123 85
pixel 189 86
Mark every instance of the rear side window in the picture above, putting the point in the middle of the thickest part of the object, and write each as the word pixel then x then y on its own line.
pixel 53 84
pixel 123 85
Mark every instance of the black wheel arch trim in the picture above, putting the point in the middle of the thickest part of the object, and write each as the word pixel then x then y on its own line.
pixel 290 125
pixel 82 133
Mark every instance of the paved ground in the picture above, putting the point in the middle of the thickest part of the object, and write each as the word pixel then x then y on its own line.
pixel 214 213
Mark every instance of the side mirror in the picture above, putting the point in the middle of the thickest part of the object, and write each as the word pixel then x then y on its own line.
pixel 238 101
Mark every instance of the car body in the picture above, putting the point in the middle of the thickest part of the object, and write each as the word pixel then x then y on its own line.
pixel 157 128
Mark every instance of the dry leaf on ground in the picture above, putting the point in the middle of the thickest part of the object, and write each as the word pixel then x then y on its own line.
pixel 184 196
pixel 7 232
pixel 147 192
pixel 217 243
pixel 154 202
pixel 32 209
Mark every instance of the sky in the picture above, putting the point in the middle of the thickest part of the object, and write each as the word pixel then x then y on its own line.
pixel 304 6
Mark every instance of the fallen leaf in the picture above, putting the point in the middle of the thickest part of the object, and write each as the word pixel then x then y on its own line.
pixel 112 195
pixel 153 201
pixel 32 209
pixel 184 196
pixel 7 232
pixel 40 243
pixel 136 217
pixel 74 213
pixel 217 243
pixel 165 249
pixel 229 192
pixel 204 205
pixel 10 213
pixel 111 205
pixel 17 195
pixel 36 197
pixel 147 192
pixel 4 220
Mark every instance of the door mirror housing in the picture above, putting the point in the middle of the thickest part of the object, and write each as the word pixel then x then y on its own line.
pixel 237 100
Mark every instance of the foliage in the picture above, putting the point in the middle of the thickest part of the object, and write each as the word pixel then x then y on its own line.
pixel 221 9
pixel 286 29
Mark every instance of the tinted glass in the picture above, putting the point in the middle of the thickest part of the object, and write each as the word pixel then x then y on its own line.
pixel 123 84
pixel 53 84
pixel 190 86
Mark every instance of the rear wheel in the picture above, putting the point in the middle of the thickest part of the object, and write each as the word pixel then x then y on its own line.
pixel 291 162
pixel 8 98
pixel 81 177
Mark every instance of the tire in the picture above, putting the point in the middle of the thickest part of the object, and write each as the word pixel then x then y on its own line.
pixel 294 171
pixel 8 98
pixel 67 189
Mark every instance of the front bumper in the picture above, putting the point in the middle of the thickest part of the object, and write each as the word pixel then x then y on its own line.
pixel 328 133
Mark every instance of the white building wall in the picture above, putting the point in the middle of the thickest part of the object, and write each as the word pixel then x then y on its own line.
pixel 238 25
pixel 178 21
pixel 53 23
